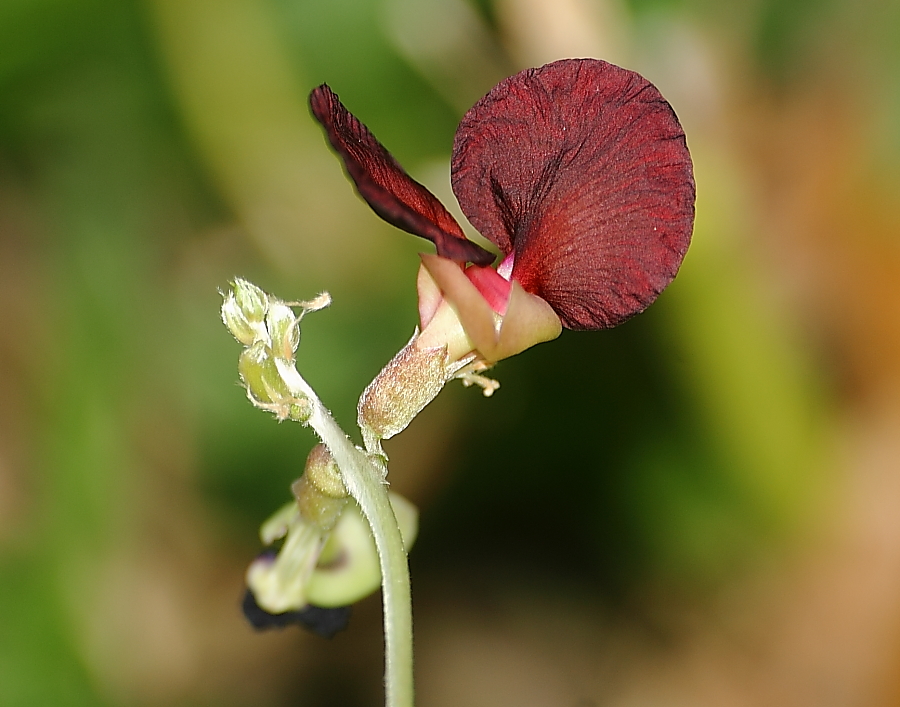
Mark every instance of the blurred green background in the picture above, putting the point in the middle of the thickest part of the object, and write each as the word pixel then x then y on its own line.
pixel 701 507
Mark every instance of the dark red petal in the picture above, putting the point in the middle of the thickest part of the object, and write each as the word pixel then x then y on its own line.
pixel 386 187
pixel 581 168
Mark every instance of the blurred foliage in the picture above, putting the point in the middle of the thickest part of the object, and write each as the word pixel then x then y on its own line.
pixel 149 151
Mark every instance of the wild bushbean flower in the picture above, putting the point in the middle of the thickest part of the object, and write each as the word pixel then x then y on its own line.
pixel 578 172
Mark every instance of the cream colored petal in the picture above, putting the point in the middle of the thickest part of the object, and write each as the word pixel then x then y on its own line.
pixel 476 315
pixel 429 296
pixel 529 320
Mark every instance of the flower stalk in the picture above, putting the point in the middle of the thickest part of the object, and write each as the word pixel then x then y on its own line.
pixel 364 476
pixel 270 332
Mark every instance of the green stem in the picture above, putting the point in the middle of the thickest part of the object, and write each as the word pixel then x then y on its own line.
pixel 364 480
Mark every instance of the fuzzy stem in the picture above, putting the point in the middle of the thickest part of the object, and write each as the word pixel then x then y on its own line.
pixel 364 480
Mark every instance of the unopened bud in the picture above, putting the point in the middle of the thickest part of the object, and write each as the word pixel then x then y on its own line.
pixel 251 299
pixel 264 383
pixel 300 410
pixel 323 472
pixel 320 492
pixel 244 310
pixel 284 331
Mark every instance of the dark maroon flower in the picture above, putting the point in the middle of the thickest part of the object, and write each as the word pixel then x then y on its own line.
pixel 577 171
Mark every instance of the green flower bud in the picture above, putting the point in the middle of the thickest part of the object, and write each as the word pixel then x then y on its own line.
pixel 320 492
pixel 299 410
pixel 284 330
pixel 244 310
pixel 322 470
pixel 253 302
pixel 260 375
pixel 234 319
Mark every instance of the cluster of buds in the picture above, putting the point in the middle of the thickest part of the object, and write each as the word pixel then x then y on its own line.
pixel 270 332
pixel 327 557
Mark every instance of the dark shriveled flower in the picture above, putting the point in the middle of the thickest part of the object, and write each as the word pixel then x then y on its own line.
pixel 577 171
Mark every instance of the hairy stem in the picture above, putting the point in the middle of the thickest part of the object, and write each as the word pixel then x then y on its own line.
pixel 364 480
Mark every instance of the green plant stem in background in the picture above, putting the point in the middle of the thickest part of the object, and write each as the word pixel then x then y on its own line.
pixel 364 479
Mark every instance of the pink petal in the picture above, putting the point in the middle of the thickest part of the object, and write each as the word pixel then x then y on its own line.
pixel 386 187
pixel 579 168
pixel 492 287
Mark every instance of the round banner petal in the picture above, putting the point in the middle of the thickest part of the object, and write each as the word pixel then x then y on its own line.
pixel 579 168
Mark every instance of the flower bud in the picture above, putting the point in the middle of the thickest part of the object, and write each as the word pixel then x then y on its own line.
pixel 320 492
pixel 243 311
pixel 260 375
pixel 299 410
pixel 322 471
pixel 284 330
